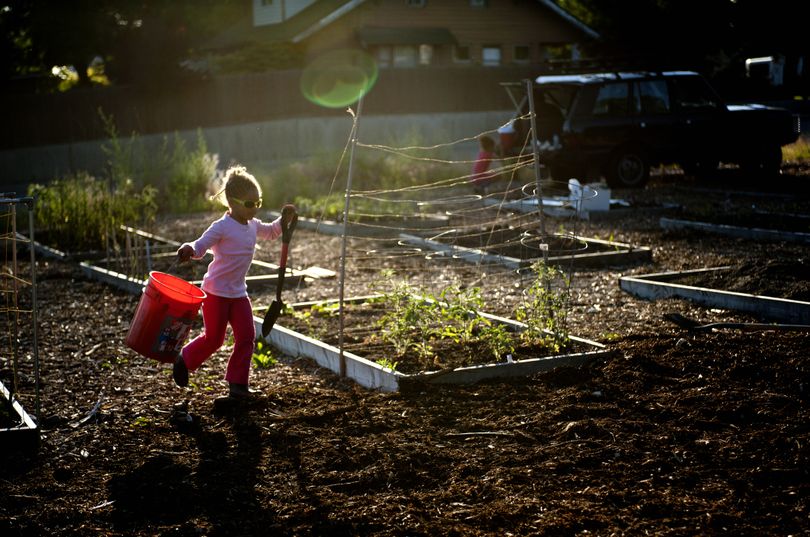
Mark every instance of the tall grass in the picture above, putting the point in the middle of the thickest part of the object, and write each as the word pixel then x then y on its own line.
pixel 79 212
pixel 83 212
pixel 799 151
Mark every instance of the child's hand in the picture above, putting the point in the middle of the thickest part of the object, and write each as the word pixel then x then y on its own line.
pixel 184 253
pixel 289 218
pixel 288 215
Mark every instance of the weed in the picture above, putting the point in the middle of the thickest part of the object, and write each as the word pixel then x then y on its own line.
pixel 141 421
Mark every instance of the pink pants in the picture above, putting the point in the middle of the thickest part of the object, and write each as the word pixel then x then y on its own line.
pixel 217 313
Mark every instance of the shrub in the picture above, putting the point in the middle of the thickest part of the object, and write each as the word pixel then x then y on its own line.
pixel 798 151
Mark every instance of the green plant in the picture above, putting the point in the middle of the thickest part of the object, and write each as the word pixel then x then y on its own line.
pixel 497 339
pixel 183 176
pixel 80 212
pixel 191 174
pixel 799 151
pixel 141 421
pixel 408 323
pixel 415 321
pixel 545 309
pixel 387 364
pixel 263 356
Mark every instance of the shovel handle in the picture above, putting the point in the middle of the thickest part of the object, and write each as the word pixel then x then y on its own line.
pixel 282 269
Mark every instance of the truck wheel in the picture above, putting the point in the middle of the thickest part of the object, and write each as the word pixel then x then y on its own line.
pixel 763 163
pixel 629 168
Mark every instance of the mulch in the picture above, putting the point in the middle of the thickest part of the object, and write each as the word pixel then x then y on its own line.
pixel 679 433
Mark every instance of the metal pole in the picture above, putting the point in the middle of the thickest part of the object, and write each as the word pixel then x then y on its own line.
pixel 536 153
pixel 15 290
pixel 356 118
pixel 34 308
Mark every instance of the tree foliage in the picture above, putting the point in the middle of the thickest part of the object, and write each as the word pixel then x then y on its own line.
pixel 138 41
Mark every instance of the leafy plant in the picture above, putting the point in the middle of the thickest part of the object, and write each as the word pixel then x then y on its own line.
pixel 415 321
pixel 408 323
pixel 545 310
pixel 263 356
pixel 388 364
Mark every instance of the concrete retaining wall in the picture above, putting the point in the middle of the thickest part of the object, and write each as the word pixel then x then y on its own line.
pixel 265 145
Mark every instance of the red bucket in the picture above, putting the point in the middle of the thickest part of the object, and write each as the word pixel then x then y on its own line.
pixel 162 322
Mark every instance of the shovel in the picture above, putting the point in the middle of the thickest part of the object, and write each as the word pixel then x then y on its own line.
pixel 691 324
pixel 274 310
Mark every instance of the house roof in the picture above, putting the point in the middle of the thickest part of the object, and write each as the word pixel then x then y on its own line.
pixel 303 24
pixel 323 12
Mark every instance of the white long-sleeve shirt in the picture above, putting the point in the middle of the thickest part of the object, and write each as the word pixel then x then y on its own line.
pixel 233 245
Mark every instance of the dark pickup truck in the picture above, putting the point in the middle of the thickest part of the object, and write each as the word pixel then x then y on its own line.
pixel 617 125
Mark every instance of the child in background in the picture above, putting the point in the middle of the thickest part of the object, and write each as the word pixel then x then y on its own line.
pixel 232 239
pixel 481 175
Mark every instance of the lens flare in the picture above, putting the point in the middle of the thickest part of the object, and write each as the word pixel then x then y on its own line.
pixel 339 78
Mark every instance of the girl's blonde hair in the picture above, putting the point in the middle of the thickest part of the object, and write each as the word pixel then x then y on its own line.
pixel 236 182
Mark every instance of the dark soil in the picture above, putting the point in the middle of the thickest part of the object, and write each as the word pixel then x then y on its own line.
pixel 767 277
pixel 681 433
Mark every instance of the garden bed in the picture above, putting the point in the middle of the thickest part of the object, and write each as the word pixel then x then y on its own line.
pixel 747 232
pixel 769 290
pixel 18 430
pixel 375 226
pixel 519 249
pixel 312 330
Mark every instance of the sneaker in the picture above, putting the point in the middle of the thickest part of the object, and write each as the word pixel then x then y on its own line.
pixel 180 372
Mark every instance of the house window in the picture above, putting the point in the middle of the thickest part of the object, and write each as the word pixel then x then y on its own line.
pixel 417 3
pixel 491 55
pixel 383 56
pixel 425 54
pixel 461 53
pixel 521 53
pixel 405 56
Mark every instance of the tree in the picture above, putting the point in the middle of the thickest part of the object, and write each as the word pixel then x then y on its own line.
pixel 139 41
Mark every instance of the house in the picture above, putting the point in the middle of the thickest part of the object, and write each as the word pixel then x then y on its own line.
pixel 415 33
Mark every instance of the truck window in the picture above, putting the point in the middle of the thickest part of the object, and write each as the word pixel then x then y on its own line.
pixel 652 97
pixel 611 100
pixel 693 93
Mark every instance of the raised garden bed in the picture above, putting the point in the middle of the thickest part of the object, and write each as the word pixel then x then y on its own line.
pixel 159 254
pixel 724 287
pixel 617 208
pixel 376 226
pixel 19 433
pixel 743 232
pixel 519 249
pixel 364 358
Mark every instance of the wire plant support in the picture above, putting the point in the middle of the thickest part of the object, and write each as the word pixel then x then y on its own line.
pixel 16 306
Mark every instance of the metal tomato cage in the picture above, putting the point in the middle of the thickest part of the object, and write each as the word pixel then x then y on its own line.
pixel 19 344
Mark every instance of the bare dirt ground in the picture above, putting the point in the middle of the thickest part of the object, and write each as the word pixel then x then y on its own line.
pixel 680 433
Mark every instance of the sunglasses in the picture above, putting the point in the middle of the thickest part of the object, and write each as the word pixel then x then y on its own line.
pixel 249 204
